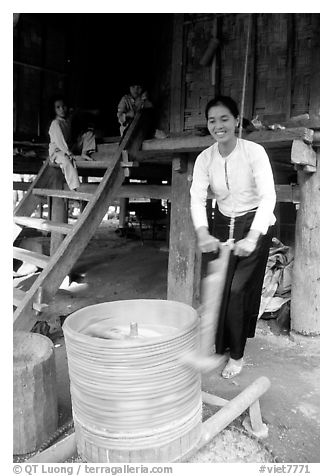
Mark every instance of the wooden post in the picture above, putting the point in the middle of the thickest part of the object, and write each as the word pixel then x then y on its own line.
pixel 123 211
pixel 34 391
pixel 305 287
pixel 184 257
pixel 58 211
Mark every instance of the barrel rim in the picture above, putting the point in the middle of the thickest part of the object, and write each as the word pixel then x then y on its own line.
pixel 70 332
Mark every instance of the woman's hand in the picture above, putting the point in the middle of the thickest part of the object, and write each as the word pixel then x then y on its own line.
pixel 206 242
pixel 244 247
pixel 247 245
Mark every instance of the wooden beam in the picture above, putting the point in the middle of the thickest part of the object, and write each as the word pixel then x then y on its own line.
pixel 91 164
pixel 302 154
pixel 305 291
pixel 131 190
pixel 72 195
pixel 24 186
pixel 285 135
pixel 190 142
pixel 32 257
pixel 18 296
pixel 184 257
pixel 45 178
pixel 43 225
pixel 145 191
pixel 39 68
pixel 284 193
pixel 59 212
pixel 287 193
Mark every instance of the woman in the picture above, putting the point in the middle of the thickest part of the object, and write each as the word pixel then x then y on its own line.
pixel 240 176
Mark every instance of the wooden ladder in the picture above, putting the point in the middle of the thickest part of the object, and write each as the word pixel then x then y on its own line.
pixel 55 268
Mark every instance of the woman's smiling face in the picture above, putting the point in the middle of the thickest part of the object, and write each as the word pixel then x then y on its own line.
pixel 221 123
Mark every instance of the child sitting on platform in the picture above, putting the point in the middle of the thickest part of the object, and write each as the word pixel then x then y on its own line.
pixel 130 104
pixel 64 147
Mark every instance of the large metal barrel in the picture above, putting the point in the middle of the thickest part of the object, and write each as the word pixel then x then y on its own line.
pixel 132 399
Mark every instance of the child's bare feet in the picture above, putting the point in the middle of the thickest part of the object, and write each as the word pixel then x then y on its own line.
pixel 233 368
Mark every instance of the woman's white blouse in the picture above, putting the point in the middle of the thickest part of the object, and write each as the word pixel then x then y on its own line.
pixel 240 182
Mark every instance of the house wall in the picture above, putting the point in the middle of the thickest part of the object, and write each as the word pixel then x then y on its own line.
pixel 283 64
pixel 39 72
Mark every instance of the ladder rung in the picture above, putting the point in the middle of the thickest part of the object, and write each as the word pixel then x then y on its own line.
pixel 18 296
pixel 93 164
pixel 44 225
pixel 90 164
pixel 73 195
pixel 32 257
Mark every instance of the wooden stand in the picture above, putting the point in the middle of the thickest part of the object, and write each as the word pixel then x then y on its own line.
pixel 34 390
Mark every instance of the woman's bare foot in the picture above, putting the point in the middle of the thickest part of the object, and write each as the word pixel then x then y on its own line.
pixel 204 363
pixel 233 368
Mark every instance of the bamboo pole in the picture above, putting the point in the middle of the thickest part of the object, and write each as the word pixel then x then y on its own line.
pixel 244 78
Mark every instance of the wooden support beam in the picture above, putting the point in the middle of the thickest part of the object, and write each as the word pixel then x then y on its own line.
pixel 179 165
pixel 46 177
pixel 159 192
pixel 91 164
pixel 130 190
pixel 32 257
pixel 58 212
pixel 287 193
pixel 191 143
pixel 43 225
pixel 284 193
pixel 302 154
pixel 72 195
pixel 305 289
pixel 184 257
pixel 18 296
pixel 24 186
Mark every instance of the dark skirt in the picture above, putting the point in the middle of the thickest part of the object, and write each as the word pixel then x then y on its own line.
pixel 242 294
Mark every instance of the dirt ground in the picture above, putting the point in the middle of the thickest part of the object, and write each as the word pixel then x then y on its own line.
pixel 113 268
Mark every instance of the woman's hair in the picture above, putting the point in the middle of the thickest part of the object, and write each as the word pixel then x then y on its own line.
pixel 224 101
